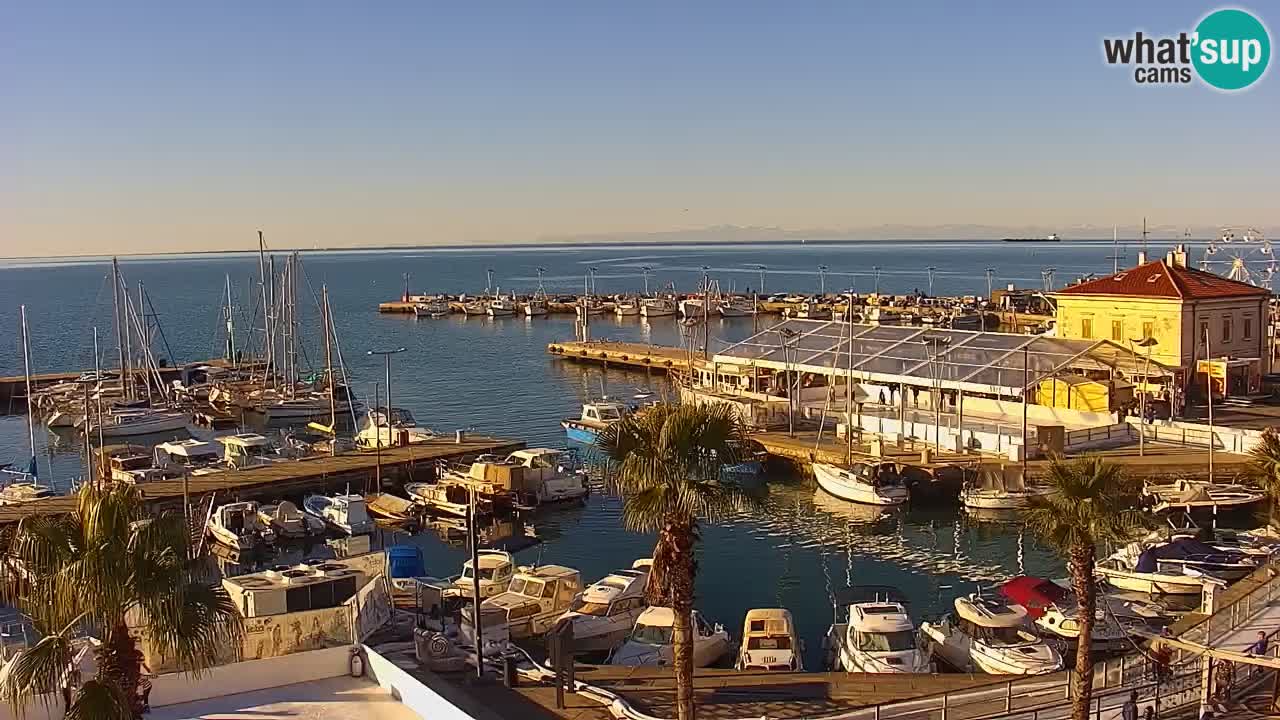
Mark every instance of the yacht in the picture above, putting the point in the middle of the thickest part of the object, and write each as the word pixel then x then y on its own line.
pixel 1202 499
pixel 769 641
pixel 988 635
pixel 345 513
pixel 604 613
pixel 528 608
pixel 551 475
pixel 596 416
pixel 288 521
pixel 502 307
pixel 627 307
pixel 1055 613
pixel 124 423
pixel 246 450
pixel 650 641
pixel 863 482
pixel 194 457
pixel 17 493
pixel 878 636
pixel 237 526
pixel 496 570
pixel 375 432
pixel 657 307
pixel 1189 554
pixel 447 498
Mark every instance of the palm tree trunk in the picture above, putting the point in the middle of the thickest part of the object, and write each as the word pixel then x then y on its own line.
pixel 1081 562
pixel 680 580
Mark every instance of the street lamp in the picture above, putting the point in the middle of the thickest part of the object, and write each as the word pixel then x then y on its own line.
pixel 386 354
pixel 1146 342
pixel 822 280
pixel 762 269
pixel 541 289
pixel 645 271
pixel 990 273
pixel 488 282
pixel 931 270
pixel 877 270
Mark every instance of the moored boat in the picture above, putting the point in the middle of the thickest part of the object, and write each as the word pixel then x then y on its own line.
pixel 769 641
pixel 878 635
pixel 988 635
pixel 345 513
pixel 863 482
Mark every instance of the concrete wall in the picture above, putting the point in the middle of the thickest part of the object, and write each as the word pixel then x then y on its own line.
pixel 1037 414
pixel 409 690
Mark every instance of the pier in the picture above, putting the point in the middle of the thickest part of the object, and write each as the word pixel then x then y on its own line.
pixel 13 388
pixel 624 354
pixel 353 470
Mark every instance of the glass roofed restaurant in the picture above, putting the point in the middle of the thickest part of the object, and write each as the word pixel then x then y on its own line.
pixel 1000 365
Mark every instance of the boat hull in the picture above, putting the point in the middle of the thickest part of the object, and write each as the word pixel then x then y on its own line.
pixel 176 421
pixel 1152 584
pixel 833 481
pixel 578 432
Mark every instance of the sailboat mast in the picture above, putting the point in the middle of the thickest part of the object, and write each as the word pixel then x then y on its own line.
pixel 267 344
pixel 231 325
pixel 97 365
pixel 848 386
pixel 26 364
pixel 119 324
pixel 328 364
pixel 144 334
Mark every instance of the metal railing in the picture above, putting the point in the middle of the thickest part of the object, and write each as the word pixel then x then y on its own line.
pixel 1119 431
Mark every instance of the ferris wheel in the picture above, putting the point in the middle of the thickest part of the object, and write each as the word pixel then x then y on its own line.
pixel 1241 254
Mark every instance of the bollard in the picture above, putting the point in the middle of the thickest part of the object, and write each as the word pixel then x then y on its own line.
pixel 509 676
pixel 460 436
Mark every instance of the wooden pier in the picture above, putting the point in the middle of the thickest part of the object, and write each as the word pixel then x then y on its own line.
pixel 624 354
pixel 353 470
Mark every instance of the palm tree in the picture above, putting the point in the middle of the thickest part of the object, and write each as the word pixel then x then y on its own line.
pixel 112 567
pixel 1093 505
pixel 665 461
pixel 1264 467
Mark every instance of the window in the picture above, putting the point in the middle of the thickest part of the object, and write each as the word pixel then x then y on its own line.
pixel 1226 330
pixel 1204 331
pixel 1248 328
pixel 1117 330
pixel 1148 327
pixel 1086 328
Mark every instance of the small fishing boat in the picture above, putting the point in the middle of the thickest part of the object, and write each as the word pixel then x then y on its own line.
pixel 404 567
pixel 1137 569
pixel 446 498
pixel 590 306
pixel 627 307
pixel 651 641
pixel 878 636
pixel 501 307
pixel 695 307
pixel 435 307
pixel 550 475
pixel 657 307
pixel 528 608
pixel 346 513
pixel 736 307
pixel 604 613
pixel 596 416
pixel 17 493
pixel 475 307
pixel 988 635
pixel 1202 499
pixel 375 431
pixel 246 450
pixel 536 307
pixel 195 457
pixel 237 526
pixel 390 507
pixel 863 482
pixel 998 489
pixel 808 310
pixel 769 642
pixel 496 569
pixel 128 464
pixel 124 423
pixel 288 521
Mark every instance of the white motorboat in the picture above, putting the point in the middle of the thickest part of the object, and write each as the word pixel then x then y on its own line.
pixel 288 521
pixel 1202 498
pixel 124 423
pixel 536 307
pixel 346 513
pixel 657 307
pixel 501 307
pixel 651 641
pixel 194 457
pixel 1121 570
pixel 17 493
pixel 769 641
pixel 863 482
pixel 878 635
pixel 627 307
pixel 246 450
pixel 879 315
pixel 496 569
pixel 551 475
pixel 1001 489
pixel 596 416
pixel 604 613
pixel 237 526
pixel 1055 613
pixel 447 498
pixel 528 607
pixel 304 405
pixel 989 635
pixel 375 431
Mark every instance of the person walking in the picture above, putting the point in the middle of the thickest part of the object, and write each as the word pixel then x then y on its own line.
pixel 1129 711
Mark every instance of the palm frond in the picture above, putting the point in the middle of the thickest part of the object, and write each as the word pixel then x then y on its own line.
pixel 98 700
pixel 193 623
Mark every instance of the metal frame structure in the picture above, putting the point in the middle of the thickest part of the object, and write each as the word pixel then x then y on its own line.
pixel 969 361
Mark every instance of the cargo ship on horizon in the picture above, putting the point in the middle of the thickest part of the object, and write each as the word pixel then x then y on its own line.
pixel 1052 237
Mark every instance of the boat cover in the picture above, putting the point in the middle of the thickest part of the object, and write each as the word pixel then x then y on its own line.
pixel 1034 594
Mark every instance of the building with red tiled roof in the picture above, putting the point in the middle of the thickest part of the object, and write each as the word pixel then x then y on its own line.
pixel 1191 314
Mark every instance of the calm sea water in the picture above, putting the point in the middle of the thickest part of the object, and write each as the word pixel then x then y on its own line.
pixel 494 375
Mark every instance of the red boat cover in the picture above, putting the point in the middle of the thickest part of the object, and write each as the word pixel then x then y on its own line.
pixel 1034 594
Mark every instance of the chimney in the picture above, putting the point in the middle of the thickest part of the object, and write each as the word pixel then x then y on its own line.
pixel 1178 256
pixel 1142 257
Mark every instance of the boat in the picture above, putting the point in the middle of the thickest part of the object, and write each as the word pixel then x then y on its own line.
pixel 809 309
pixel 194 457
pixel 1055 613
pixel 496 569
pixel 447 498
pixel 1202 499
pixel 989 635
pixel 404 567
pixel 345 513
pixel 628 307
pixel 604 613
pixel 288 521
pixel 657 307
pixel 880 315
pixel 501 307
pixel 305 405
pixel 528 608
pixel 390 507
pixel 694 308
pixel 550 475
pixel 435 307
pixel 748 462
pixel 1190 554
pixel 736 307
pixel 125 423
pixel 536 307
pixel 375 432
pixel 63 419
pixel 1001 490
pixel 769 642
pixel 475 307
pixel 246 450
pixel 878 635
pixel 595 417
pixel 863 482
pixel 1051 237
pixel 650 641
pixel 17 493
pixel 128 464
pixel 1130 568
pixel 237 526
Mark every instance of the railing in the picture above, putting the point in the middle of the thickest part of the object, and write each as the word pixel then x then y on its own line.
pixel 1176 435
pixel 1088 436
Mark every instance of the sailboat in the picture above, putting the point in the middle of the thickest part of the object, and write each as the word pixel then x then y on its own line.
pixel 20 487
pixel 1002 491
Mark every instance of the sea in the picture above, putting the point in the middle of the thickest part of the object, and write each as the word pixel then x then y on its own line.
pixel 494 376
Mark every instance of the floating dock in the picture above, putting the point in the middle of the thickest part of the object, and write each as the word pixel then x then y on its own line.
pixel 624 354
pixel 353 470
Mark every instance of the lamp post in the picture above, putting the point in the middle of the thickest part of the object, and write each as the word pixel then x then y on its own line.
pixel 645 271
pixel 761 269
pixel 877 271
pixel 822 280
pixel 931 270
pixel 990 272
pixel 488 282
pixel 541 289
pixel 386 355
pixel 1146 342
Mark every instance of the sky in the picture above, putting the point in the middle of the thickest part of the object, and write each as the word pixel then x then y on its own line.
pixel 159 127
